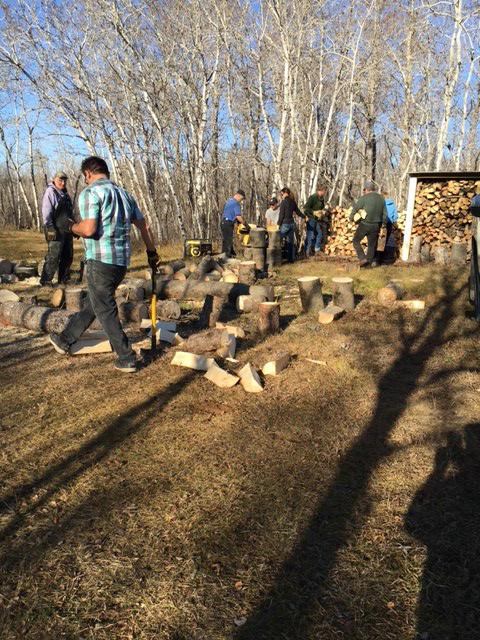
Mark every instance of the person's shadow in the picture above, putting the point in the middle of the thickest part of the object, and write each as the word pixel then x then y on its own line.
pixel 445 516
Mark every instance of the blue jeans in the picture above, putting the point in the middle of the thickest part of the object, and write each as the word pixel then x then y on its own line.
pixel 102 279
pixel 287 233
pixel 314 232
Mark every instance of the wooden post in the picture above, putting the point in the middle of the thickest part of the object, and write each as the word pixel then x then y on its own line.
pixel 246 272
pixel 210 313
pixel 268 317
pixel 343 297
pixel 412 190
pixel 74 299
pixel 311 294
pixel 415 254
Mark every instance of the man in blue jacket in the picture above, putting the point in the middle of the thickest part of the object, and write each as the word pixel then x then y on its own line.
pixel 232 213
pixel 392 217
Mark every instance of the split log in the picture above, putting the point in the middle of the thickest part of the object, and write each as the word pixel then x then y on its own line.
pixel 310 294
pixel 246 272
pixel 257 238
pixel 195 290
pixel 249 304
pixel 390 293
pixel 33 317
pixel 212 308
pixel 220 377
pixel 415 253
pixel 230 277
pixel 238 332
pixel 342 289
pixel 412 305
pixel 89 344
pixel 268 317
pixel 459 253
pixel 249 379
pixel 58 298
pixel 330 313
pixel 276 364
pixel 192 361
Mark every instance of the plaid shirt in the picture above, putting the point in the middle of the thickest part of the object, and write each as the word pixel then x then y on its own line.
pixel 114 209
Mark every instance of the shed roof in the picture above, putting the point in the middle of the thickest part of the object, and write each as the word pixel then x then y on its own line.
pixel 446 175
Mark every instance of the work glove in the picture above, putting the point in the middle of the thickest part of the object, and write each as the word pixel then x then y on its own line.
pixel 50 233
pixel 153 259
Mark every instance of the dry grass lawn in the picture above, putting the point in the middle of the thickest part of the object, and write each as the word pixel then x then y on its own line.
pixel 343 502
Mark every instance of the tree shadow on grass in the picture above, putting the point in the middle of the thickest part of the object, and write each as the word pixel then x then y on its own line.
pixel 75 465
pixel 286 610
pixel 445 517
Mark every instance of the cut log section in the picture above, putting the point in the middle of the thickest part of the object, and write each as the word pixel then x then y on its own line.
pixel 210 313
pixel 389 294
pixel 230 277
pixel 168 309
pixel 133 311
pixel 416 251
pixel 8 296
pixel 249 304
pixel 260 290
pixel 412 305
pixel 311 295
pixel 34 317
pixel 58 298
pixel 330 313
pixel 192 361
pixel 246 272
pixel 257 238
pixel 74 298
pixel 277 364
pixel 209 341
pixel 442 255
pixel 195 290
pixel 249 379
pixel 268 317
pixel 259 257
pixel 238 332
pixel 342 289
pixel 459 253
pixel 182 274
pixel 220 377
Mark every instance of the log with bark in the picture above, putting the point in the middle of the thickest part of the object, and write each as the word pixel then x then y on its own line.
pixel 246 272
pixel 268 317
pixel 74 298
pixel 34 317
pixel 342 289
pixel 389 294
pixel 211 311
pixel 311 295
pixel 197 290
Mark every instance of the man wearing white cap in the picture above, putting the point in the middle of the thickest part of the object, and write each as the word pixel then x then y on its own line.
pixel 56 201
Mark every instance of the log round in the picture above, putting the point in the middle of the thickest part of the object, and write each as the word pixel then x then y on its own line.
pixel 74 298
pixel 311 295
pixel 274 258
pixel 257 238
pixel 342 289
pixel 274 240
pixel 266 290
pixel 34 317
pixel 441 255
pixel 168 310
pixel 210 313
pixel 133 311
pixel 258 256
pixel 247 253
pixel 425 253
pixel 268 318
pixel 390 293
pixel 246 272
pixel 58 298
pixel 249 304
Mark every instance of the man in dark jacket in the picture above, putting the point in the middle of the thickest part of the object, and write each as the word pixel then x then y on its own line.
pixel 373 213
pixel 286 221
pixel 56 202
pixel 314 210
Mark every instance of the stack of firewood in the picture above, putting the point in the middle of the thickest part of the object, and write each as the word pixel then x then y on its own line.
pixel 340 233
pixel 441 211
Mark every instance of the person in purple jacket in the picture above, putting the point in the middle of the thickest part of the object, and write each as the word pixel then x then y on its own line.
pixel 56 202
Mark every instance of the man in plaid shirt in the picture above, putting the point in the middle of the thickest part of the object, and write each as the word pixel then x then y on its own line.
pixel 107 212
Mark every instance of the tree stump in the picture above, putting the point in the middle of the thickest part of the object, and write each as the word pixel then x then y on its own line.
pixel 415 253
pixel 342 289
pixel 459 253
pixel 74 299
pixel 246 272
pixel 268 318
pixel 210 313
pixel 390 294
pixel 258 256
pixel 311 294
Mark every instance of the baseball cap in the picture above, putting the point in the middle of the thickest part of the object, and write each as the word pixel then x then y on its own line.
pixel 60 174
pixel 241 192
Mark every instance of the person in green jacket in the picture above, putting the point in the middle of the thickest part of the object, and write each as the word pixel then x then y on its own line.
pixel 314 209
pixel 373 214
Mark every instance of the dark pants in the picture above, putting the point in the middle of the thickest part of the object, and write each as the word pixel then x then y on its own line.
pixel 59 257
pixel 287 233
pixel 371 232
pixel 227 238
pixel 102 279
